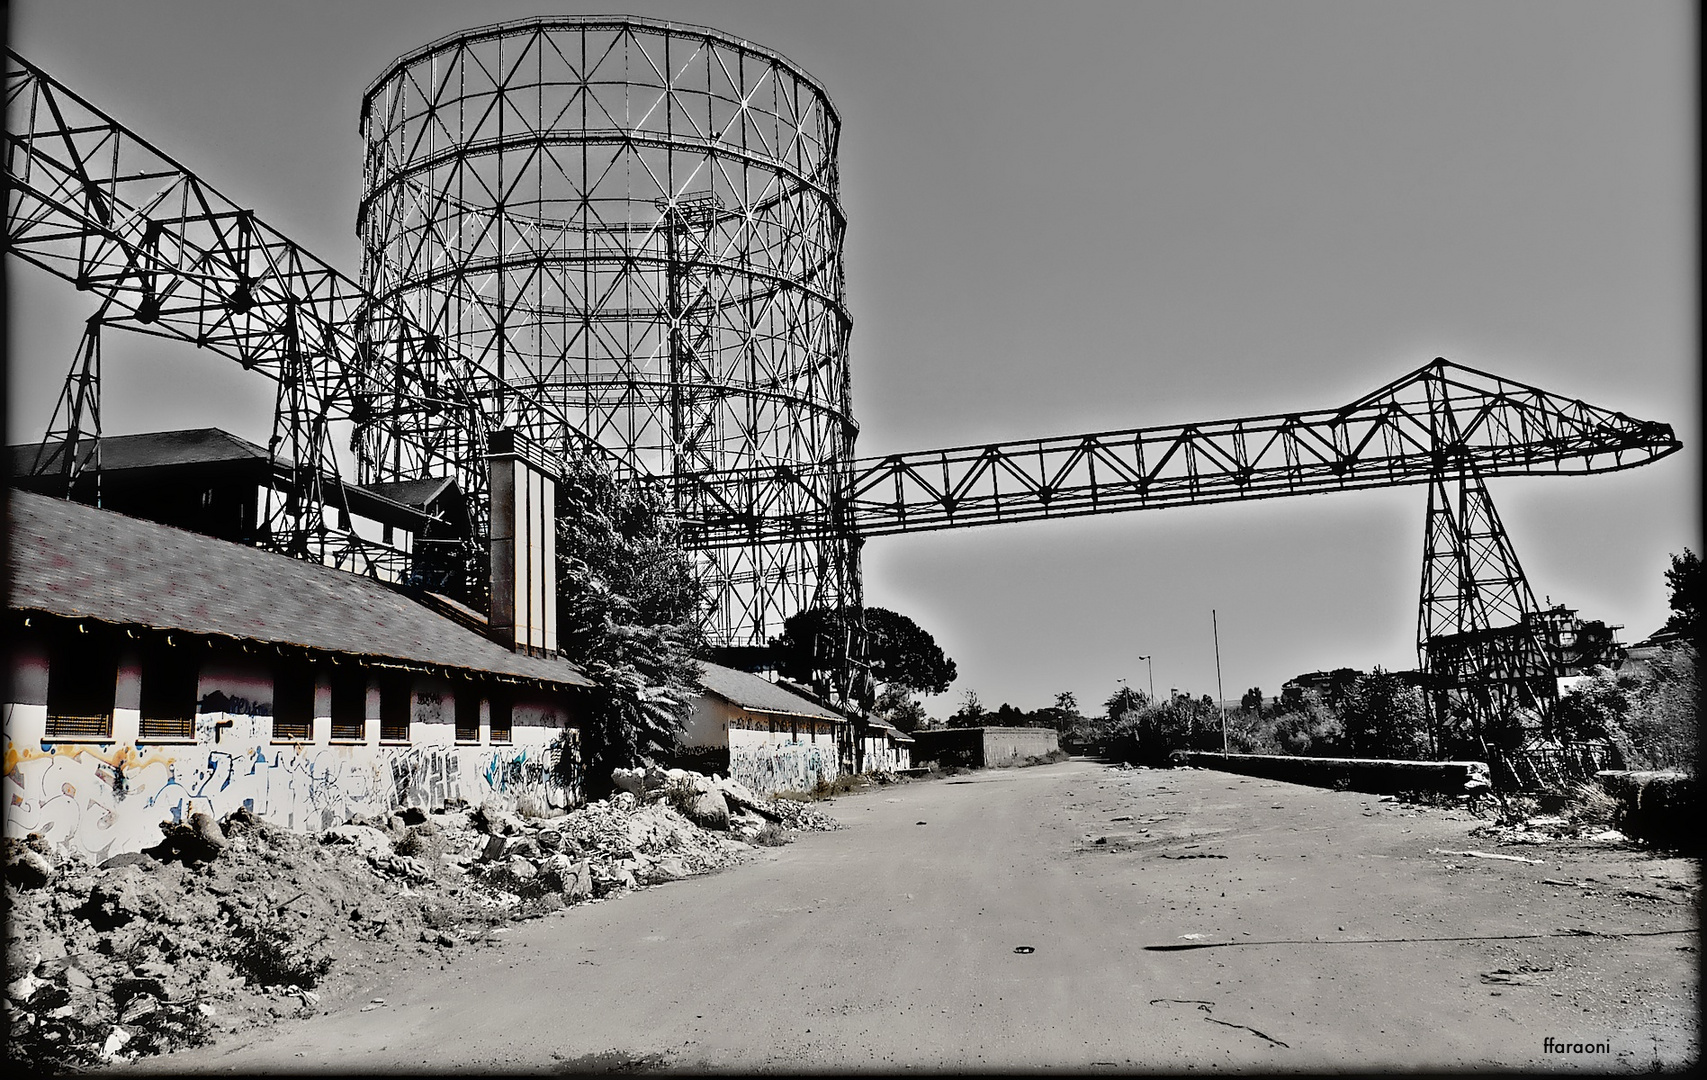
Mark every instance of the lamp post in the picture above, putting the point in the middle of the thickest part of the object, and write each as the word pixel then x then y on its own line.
pixel 1150 668
pixel 1222 694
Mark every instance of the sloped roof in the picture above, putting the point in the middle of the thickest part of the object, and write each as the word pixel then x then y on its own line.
pixel 889 729
pixel 76 561
pixel 415 494
pixel 154 450
pixel 756 694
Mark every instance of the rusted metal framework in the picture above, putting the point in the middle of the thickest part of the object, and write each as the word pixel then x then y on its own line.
pixel 637 225
pixel 623 238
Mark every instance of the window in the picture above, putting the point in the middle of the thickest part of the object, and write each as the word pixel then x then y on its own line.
pixel 467 715
pixel 349 706
pixel 293 703
pixel 82 679
pixel 394 702
pixel 168 690
pixel 500 718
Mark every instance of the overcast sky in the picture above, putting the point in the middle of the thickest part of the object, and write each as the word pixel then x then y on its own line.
pixel 1078 216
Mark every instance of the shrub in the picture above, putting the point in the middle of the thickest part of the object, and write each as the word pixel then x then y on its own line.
pixel 270 951
pixel 771 834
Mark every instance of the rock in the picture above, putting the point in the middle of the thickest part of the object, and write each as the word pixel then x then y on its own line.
pixel 22 989
pixel 241 822
pixel 414 816
pixel 366 839
pixel 26 867
pixel 128 858
pixel 117 1039
pixel 669 868
pixel 524 847
pixel 521 868
pixel 632 781
pixel 708 810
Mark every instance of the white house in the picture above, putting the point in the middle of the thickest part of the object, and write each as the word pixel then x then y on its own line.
pixel 154 672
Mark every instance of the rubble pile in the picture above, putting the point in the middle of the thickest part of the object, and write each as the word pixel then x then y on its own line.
pixel 228 924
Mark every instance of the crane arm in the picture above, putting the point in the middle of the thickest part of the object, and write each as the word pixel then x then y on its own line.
pixel 1440 419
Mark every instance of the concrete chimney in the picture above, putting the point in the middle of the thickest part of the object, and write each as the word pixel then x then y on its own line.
pixel 523 544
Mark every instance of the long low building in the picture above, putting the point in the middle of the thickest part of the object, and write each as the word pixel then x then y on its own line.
pixel 155 672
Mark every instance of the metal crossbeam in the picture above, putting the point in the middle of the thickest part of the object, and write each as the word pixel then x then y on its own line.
pixel 93 203
pixel 1442 418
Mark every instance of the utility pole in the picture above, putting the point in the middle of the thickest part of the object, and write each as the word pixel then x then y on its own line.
pixel 1219 693
pixel 1151 669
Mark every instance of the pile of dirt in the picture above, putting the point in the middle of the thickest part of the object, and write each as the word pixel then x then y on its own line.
pixel 225 925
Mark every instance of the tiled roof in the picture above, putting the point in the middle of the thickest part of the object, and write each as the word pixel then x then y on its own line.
pixel 76 561
pixel 757 694
pixel 154 450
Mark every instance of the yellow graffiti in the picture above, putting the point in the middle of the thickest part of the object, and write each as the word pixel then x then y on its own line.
pixel 119 757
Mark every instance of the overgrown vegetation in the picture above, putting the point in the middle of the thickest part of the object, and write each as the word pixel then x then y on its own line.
pixel 1648 709
pixel 629 606
pixel 270 950
pixel 901 659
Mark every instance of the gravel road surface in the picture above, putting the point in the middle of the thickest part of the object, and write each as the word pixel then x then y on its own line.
pixel 1069 916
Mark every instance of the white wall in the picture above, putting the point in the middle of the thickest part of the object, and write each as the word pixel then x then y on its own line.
pixel 104 798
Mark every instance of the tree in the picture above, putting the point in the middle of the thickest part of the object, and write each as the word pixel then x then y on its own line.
pixel 971 712
pixel 1684 581
pixel 897 705
pixel 629 607
pixel 1384 717
pixel 1252 701
pixel 897 649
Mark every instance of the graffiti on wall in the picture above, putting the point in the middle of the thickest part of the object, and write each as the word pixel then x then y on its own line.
pixel 769 767
pixel 102 800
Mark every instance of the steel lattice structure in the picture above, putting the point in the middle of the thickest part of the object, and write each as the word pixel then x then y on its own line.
pixel 623 237
pixel 637 224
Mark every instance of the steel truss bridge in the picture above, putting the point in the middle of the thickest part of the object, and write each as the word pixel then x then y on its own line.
pixel 163 253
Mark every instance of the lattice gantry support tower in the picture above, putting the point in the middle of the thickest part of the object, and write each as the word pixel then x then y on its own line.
pixel 638 224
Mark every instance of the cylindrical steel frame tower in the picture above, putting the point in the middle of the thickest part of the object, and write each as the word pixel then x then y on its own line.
pixel 631 230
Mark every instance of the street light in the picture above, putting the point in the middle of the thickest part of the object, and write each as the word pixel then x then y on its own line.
pixel 1152 670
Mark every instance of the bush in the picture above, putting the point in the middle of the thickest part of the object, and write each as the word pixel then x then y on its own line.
pixel 771 834
pixel 270 951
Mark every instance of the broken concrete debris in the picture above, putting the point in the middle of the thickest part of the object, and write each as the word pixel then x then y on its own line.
pixel 229 923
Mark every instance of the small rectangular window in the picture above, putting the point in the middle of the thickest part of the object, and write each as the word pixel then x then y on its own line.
pixel 82 682
pixel 349 706
pixel 293 703
pixel 395 700
pixel 169 672
pixel 500 718
pixel 467 715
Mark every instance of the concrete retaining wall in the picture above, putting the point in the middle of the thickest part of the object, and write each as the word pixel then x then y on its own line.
pixel 1658 807
pixel 988 747
pixel 1012 745
pixel 1353 774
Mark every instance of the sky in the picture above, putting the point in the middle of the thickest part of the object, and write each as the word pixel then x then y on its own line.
pixel 1080 216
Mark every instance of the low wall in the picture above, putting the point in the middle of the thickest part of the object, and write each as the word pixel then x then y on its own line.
pixel 988 747
pixel 1379 777
pixel 1658 807
pixel 1012 745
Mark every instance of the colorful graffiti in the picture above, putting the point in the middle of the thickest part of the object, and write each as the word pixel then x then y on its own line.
pixel 104 800
pixel 769 767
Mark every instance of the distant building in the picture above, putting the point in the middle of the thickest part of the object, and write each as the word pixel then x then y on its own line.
pixel 766 736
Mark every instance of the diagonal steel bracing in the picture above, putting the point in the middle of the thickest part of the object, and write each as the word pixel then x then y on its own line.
pixel 624 238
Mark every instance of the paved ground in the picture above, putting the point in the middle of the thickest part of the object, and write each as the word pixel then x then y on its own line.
pixel 1013 918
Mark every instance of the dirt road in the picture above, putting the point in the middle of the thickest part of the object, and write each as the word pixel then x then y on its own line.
pixel 1013 918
